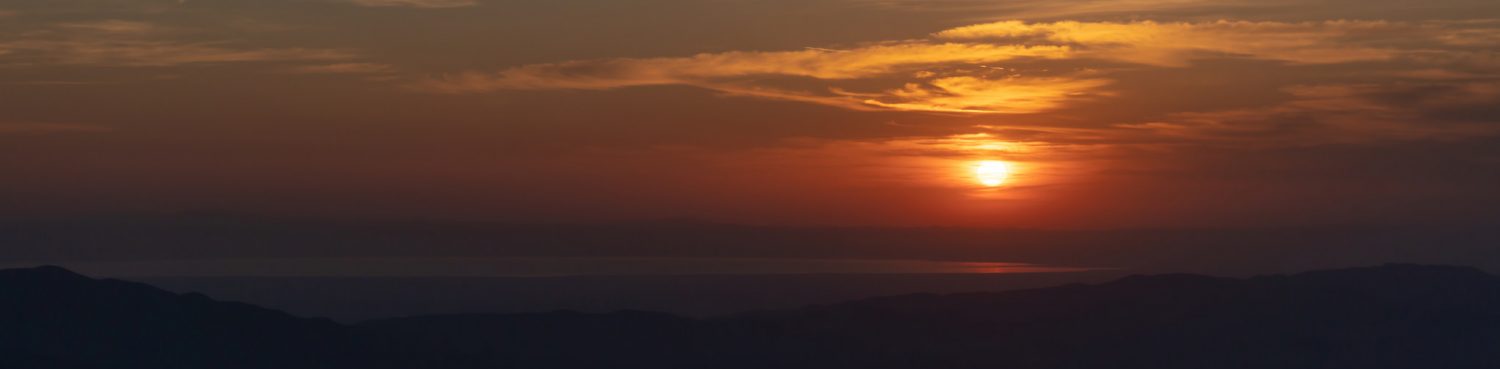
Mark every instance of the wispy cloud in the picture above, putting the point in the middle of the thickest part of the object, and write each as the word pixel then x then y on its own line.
pixel 751 74
pixel 138 44
pixel 1346 113
pixel 429 4
pixel 1178 43
pixel 344 68
pixel 963 94
pixel 862 62
pixel 115 27
pixel 963 70
pixel 1054 9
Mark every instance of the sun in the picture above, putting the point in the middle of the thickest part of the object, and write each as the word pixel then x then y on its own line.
pixel 991 173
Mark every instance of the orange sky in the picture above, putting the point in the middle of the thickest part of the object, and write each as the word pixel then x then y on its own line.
pixel 1108 114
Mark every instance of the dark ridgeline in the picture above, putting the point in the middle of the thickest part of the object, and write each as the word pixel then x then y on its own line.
pixel 1394 316
pixel 51 317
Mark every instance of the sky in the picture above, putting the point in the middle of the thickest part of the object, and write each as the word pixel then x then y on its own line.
pixel 956 113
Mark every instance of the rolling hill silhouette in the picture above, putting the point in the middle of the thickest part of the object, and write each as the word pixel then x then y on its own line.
pixel 1392 316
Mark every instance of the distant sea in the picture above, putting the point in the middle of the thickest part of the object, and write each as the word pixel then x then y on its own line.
pixel 533 267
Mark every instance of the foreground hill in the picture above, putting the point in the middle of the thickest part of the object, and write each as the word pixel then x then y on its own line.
pixel 1394 316
pixel 53 317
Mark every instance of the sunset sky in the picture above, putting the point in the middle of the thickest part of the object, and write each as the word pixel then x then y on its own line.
pixel 1010 114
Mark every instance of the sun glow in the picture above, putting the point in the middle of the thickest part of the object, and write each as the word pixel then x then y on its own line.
pixel 991 173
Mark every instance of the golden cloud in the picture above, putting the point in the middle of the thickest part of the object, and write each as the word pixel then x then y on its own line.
pixel 1175 44
pixel 955 71
pixel 977 95
pixel 719 71
pixel 864 62
pixel 1055 9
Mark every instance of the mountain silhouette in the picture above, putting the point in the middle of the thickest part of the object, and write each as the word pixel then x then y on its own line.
pixel 1392 316
pixel 54 317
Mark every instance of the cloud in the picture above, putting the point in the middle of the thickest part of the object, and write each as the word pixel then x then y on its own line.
pixel 428 4
pixel 964 94
pixel 137 44
pixel 1346 113
pixel 746 74
pixel 863 62
pixel 116 27
pixel 997 67
pixel 1053 9
pixel 1176 44
pixel 344 68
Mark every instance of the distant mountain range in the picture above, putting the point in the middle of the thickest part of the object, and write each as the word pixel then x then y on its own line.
pixel 1392 316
